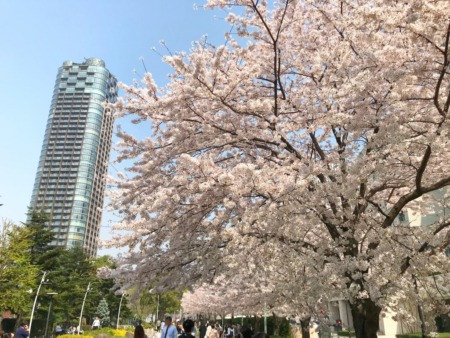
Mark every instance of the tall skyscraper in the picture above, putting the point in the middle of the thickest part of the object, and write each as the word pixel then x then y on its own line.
pixel 70 180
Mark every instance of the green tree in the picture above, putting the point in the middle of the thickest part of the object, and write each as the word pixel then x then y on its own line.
pixel 69 273
pixel 147 303
pixel 103 312
pixel 106 288
pixel 38 224
pixel 18 276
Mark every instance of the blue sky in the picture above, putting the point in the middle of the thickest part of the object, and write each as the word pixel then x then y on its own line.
pixel 37 36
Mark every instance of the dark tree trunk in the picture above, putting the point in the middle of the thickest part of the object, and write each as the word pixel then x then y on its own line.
pixel 366 317
pixel 305 327
pixel 276 325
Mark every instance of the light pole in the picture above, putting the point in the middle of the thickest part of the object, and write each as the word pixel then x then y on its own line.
pixel 51 294
pixel 82 307
pixel 35 300
pixel 118 314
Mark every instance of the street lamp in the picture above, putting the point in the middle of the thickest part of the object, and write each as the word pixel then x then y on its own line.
pixel 35 300
pixel 51 294
pixel 118 314
pixel 82 307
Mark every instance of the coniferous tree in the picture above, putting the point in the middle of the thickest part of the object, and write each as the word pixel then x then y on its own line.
pixel 18 276
pixel 103 312
pixel 38 223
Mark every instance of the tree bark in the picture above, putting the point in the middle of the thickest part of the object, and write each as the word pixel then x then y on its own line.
pixel 366 317
pixel 305 327
pixel 276 325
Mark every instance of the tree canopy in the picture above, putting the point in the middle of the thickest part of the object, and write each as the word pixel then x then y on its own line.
pixel 304 138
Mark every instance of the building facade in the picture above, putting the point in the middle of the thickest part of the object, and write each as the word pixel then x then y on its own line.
pixel 71 176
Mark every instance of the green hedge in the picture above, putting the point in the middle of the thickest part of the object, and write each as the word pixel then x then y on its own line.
pixel 346 334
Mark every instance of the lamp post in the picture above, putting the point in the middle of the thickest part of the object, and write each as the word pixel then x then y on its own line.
pixel 118 314
pixel 82 307
pixel 51 294
pixel 35 300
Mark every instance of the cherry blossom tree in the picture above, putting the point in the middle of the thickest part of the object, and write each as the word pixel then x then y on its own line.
pixel 310 132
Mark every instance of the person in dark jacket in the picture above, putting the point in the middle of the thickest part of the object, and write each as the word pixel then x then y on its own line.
pixel 188 326
pixel 202 330
pixel 248 332
pixel 22 331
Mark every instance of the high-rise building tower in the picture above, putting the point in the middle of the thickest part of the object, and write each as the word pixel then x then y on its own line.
pixel 71 176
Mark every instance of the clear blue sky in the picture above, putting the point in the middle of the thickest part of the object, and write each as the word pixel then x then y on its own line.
pixel 37 36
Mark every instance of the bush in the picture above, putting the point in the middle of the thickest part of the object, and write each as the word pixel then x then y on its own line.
pixel 346 334
pixel 86 327
pixel 72 336
pixel 148 325
pixel 119 333
pixel 104 330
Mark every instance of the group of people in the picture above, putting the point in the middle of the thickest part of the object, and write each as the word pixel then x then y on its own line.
pixel 21 332
pixel 188 329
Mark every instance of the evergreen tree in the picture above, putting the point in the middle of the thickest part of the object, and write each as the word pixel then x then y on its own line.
pixel 17 273
pixel 42 237
pixel 103 312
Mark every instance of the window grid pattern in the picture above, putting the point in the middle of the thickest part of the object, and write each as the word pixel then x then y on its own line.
pixel 71 176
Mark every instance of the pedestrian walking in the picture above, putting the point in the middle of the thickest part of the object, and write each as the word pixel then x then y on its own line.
pixel 188 327
pixel 214 332
pixel 208 329
pixel 139 332
pixel 202 330
pixel 169 331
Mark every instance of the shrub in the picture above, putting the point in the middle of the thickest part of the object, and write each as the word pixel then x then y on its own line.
pixel 104 330
pixel 119 333
pixel 148 325
pixel 346 334
pixel 72 336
